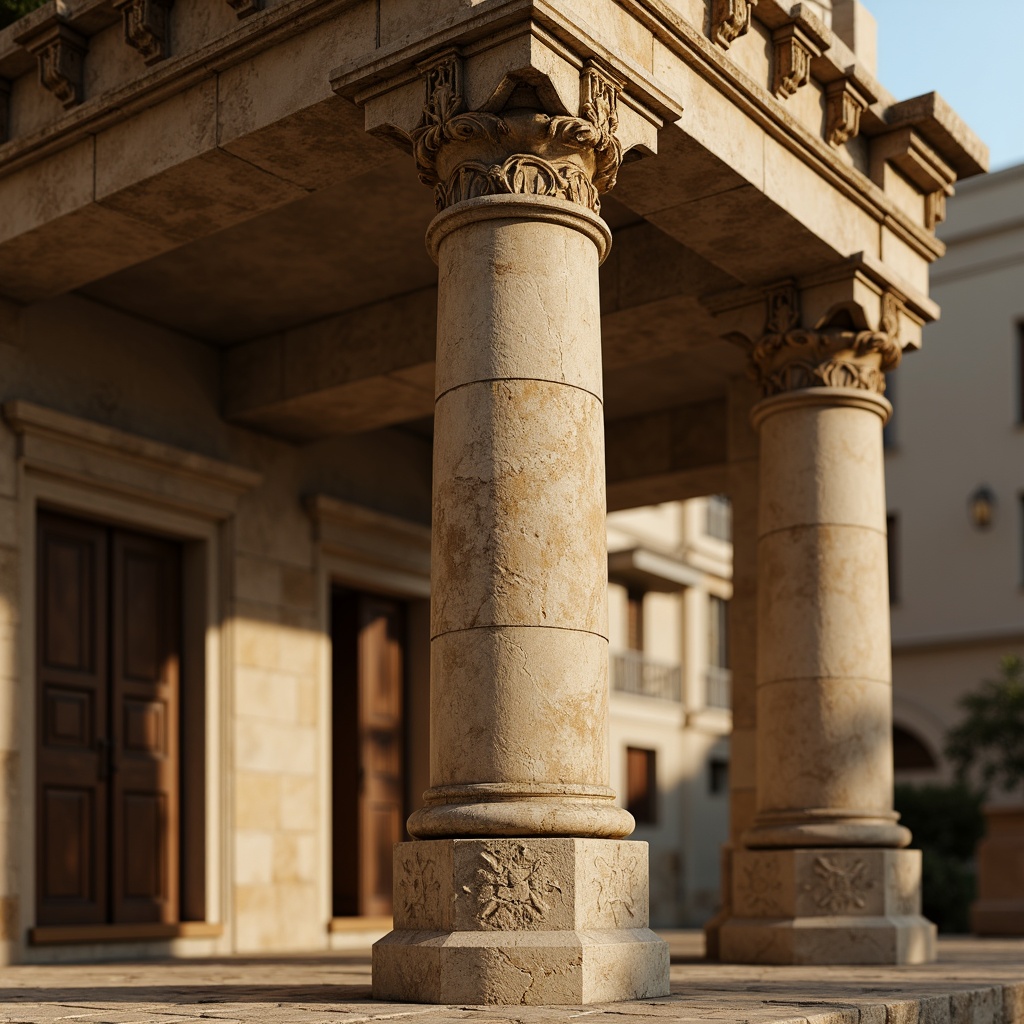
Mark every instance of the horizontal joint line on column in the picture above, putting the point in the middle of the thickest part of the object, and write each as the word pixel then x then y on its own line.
pixel 823 679
pixel 539 380
pixel 517 625
pixel 815 526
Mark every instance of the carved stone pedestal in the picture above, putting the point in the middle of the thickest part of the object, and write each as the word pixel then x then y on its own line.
pixel 827 906
pixel 535 921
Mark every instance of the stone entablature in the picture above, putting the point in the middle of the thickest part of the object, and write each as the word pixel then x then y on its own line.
pixel 803 49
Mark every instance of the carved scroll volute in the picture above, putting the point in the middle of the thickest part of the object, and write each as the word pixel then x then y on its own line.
pixel 60 53
pixel 788 357
pixel 730 19
pixel 463 154
pixel 147 27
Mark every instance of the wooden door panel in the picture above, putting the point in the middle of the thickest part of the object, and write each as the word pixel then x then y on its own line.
pixel 72 738
pixel 145 640
pixel 381 803
pixel 69 571
pixel 68 863
pixel 145 846
pixel 384 829
pixel 69 718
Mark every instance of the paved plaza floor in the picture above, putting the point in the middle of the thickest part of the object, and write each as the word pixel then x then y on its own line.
pixel 975 982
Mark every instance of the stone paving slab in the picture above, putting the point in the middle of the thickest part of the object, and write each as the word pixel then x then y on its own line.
pixel 974 982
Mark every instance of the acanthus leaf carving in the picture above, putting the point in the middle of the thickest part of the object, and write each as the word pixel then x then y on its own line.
pixel 522 152
pixel 60 54
pixel 788 357
pixel 147 27
pixel 730 19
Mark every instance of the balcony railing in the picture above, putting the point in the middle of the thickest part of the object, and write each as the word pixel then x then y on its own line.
pixel 633 673
pixel 717 687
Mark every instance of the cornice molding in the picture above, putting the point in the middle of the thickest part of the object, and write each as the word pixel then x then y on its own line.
pixel 57 445
pixel 756 101
pixel 372 543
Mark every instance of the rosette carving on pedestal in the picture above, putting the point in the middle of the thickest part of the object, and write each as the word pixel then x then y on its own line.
pixel 463 154
pixel 838 353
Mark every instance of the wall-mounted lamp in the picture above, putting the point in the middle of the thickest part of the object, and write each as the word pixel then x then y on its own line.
pixel 980 507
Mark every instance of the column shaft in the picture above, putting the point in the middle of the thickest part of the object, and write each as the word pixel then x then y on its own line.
pixel 519 620
pixel 824 701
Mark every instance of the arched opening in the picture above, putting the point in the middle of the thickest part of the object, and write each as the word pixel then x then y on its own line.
pixel 910 752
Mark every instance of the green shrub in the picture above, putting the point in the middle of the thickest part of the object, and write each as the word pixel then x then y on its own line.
pixel 12 10
pixel 988 744
pixel 947 824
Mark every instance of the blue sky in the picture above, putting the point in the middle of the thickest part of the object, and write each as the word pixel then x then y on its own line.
pixel 972 53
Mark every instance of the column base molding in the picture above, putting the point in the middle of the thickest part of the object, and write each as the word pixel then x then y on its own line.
pixel 520 921
pixel 827 906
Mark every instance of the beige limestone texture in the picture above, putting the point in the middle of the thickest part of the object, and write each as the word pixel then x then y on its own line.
pixel 519 507
pixel 519 570
pixel 827 905
pixel 530 921
pixel 823 661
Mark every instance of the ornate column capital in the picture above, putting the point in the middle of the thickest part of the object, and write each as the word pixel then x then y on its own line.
pixel 464 154
pixel 514 113
pixel 840 352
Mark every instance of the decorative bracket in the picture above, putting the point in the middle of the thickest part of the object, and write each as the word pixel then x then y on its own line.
pixel 60 52
pixel 5 110
pixel 147 27
pixel 795 46
pixel 918 162
pixel 730 19
pixel 845 100
pixel 243 8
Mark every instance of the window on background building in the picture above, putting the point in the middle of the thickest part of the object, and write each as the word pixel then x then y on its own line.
pixel 719 517
pixel 910 752
pixel 635 620
pixel 718 776
pixel 718 632
pixel 891 391
pixel 642 785
pixel 892 550
pixel 1020 501
pixel 1020 372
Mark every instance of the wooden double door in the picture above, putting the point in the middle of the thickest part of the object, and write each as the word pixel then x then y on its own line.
pixel 107 766
pixel 368 641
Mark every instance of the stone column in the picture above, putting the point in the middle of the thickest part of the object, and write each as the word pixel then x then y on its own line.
pixel 824 877
pixel 519 888
pixel 744 473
